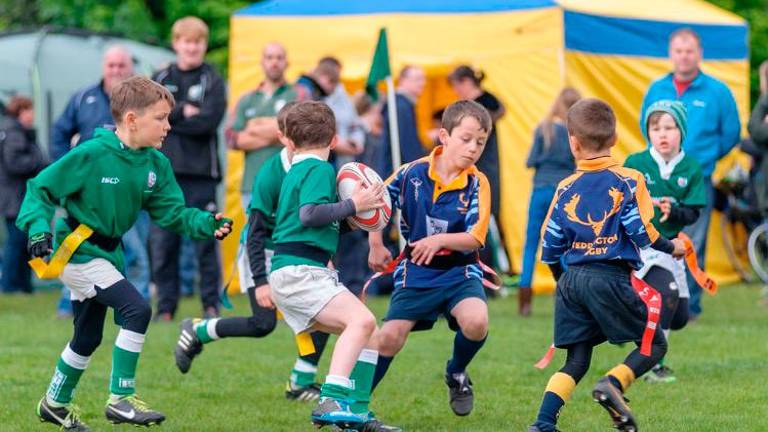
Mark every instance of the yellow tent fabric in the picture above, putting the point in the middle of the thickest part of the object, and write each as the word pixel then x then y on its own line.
pixel 522 48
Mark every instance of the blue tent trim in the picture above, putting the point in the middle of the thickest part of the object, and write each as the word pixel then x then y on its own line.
pixel 360 7
pixel 637 37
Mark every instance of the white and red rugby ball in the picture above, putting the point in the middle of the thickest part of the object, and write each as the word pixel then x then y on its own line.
pixel 349 175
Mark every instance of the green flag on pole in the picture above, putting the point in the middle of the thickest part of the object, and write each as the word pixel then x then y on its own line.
pixel 379 66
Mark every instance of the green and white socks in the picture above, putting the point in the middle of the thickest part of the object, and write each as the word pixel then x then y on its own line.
pixel 303 373
pixel 206 330
pixel 362 381
pixel 69 369
pixel 125 357
pixel 357 388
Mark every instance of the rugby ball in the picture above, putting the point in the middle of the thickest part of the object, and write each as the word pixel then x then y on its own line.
pixel 349 175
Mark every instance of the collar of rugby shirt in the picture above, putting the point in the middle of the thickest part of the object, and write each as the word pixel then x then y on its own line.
pixel 302 157
pixel 458 182
pixel 596 164
pixel 666 168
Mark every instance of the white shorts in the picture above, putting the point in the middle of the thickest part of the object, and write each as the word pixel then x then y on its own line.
pixel 244 268
pixel 82 279
pixel 652 257
pixel 301 292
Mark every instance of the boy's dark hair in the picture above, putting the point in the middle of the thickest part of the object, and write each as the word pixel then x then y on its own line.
pixel 282 114
pixel 457 111
pixel 310 124
pixel 137 93
pixel 593 123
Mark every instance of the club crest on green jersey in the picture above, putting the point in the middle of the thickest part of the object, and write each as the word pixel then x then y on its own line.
pixel 151 179
pixel 682 182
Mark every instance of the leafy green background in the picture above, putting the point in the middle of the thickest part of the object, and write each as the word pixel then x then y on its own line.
pixel 151 20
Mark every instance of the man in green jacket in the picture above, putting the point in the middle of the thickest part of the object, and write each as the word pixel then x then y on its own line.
pixel 103 184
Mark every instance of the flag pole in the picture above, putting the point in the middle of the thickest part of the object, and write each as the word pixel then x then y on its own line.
pixel 394 144
pixel 394 129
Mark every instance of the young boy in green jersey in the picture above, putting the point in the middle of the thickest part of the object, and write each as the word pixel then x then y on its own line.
pixel 305 290
pixel 253 267
pixel 676 185
pixel 103 184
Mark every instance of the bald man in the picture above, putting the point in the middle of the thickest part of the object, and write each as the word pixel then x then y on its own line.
pixel 253 128
pixel 89 107
pixel 87 110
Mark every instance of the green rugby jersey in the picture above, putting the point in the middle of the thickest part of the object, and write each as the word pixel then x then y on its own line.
pixel 685 185
pixel 104 184
pixel 310 180
pixel 266 191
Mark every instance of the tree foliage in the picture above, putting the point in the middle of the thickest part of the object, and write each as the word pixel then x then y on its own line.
pixel 151 21
pixel 143 20
pixel 756 14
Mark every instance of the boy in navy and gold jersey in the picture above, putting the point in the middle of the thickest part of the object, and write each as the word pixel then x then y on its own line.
pixel 445 205
pixel 599 219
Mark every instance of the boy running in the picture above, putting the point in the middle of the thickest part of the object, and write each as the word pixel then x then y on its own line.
pixel 676 185
pixel 253 267
pixel 103 184
pixel 445 206
pixel 305 290
pixel 599 219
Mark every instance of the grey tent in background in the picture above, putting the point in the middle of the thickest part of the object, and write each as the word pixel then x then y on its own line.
pixel 50 65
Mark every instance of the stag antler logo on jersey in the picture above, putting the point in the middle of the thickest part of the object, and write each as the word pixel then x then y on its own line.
pixel 596 225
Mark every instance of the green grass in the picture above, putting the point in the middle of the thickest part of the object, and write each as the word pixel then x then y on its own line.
pixel 237 385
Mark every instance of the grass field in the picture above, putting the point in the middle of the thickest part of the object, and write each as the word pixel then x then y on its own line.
pixel 236 385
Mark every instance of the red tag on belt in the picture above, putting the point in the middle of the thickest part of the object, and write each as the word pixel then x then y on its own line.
pixel 652 300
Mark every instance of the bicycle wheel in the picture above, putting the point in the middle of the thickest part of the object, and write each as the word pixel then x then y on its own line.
pixel 757 248
pixel 734 235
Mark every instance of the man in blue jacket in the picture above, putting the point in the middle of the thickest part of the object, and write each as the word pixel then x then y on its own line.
pixel 713 126
pixel 87 110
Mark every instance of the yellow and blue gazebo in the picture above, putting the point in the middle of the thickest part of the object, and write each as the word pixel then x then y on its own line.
pixel 528 49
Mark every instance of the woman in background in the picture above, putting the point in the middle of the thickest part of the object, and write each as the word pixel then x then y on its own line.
pixel 552 161
pixel 20 160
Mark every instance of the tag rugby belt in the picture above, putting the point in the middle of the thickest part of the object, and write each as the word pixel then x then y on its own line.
pixel 652 300
pixel 106 243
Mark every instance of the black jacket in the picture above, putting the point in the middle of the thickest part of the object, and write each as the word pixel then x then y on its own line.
pixel 192 144
pixel 20 160
pixel 758 130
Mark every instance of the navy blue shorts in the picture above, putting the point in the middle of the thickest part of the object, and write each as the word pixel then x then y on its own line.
pixel 425 305
pixel 596 302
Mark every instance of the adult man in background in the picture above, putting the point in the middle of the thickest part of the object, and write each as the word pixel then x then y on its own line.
pixel 324 84
pixel 87 110
pixel 410 85
pixel 253 126
pixel 192 147
pixel 713 127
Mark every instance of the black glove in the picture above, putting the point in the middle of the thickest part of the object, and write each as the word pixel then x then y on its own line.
pixel 40 245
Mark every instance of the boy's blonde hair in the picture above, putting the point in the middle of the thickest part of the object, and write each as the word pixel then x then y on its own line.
pixel 136 93
pixel 191 27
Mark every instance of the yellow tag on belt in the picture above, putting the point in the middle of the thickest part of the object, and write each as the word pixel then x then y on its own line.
pixel 52 269
pixel 303 340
